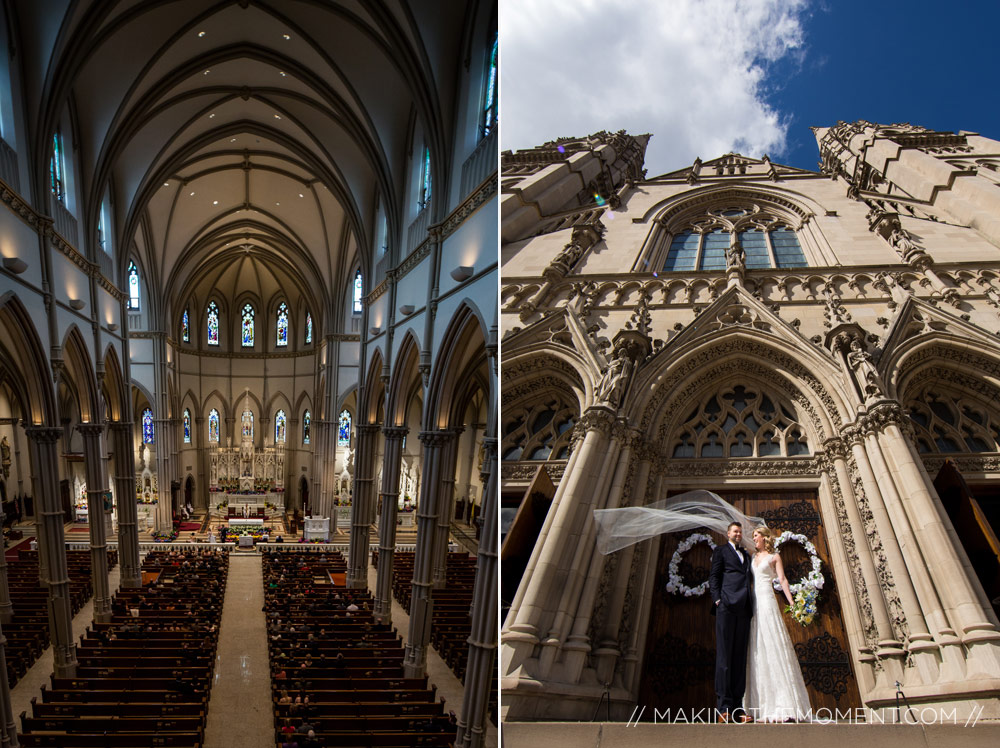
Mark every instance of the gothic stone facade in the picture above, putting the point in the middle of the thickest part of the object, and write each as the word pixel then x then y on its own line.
pixel 857 310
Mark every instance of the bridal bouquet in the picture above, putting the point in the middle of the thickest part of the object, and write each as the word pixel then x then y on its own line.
pixel 804 608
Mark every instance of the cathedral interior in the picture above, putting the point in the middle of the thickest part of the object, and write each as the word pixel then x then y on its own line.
pixel 248 373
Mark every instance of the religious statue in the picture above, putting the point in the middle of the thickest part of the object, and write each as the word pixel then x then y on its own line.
pixel 735 256
pixel 5 458
pixel 889 282
pixel 611 388
pixel 865 372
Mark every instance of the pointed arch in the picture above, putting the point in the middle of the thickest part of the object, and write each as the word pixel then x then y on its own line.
pixel 114 384
pixel 79 371
pixel 461 356
pixel 405 381
pixel 372 400
pixel 24 359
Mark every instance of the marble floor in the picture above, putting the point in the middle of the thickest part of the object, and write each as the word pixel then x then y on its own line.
pixel 239 707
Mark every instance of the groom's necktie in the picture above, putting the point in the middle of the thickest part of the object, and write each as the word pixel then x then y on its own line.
pixel 738 552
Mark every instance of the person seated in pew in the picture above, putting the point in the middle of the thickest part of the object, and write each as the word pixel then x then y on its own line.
pixel 311 741
pixel 284 698
pixel 287 730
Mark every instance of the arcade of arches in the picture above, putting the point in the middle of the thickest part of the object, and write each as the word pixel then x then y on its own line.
pixel 248 308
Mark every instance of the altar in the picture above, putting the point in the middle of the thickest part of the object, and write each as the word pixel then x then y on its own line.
pixel 248 475
pixel 244 522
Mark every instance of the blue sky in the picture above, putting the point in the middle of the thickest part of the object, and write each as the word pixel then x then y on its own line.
pixel 920 62
pixel 710 76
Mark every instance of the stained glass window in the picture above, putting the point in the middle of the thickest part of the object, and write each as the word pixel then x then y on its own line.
pixel 147 426
pixel 425 190
pixel 306 422
pixel 100 229
pixel 279 427
pixel 213 426
pixel 309 328
pixel 344 432
pixel 248 423
pixel 56 176
pixel 248 326
pixel 187 426
pixel 282 324
pixel 213 323
pixel 133 286
pixel 185 327
pixel 357 292
pixel 490 104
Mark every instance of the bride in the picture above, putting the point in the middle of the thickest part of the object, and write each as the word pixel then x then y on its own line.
pixel 776 691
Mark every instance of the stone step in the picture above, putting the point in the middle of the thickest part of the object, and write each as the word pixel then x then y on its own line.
pixel 833 735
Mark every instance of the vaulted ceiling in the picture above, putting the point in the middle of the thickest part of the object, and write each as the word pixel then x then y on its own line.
pixel 261 129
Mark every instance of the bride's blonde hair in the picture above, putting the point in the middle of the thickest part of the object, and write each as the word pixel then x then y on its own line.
pixel 765 532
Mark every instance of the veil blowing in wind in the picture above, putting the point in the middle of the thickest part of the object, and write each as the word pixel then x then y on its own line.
pixel 619 528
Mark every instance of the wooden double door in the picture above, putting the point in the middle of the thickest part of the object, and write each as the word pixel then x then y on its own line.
pixel 679 661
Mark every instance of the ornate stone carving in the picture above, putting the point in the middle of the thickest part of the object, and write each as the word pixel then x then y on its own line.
pixel 799 517
pixel 611 389
pixel 524 471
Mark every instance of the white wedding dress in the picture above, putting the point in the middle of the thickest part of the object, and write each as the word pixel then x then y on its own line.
pixel 775 688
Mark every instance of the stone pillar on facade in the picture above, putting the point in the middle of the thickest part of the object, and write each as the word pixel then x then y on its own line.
pixel 8 728
pixel 93 434
pixel 362 505
pixel 479 670
pixel 128 523
pixel 43 441
pixel 421 601
pixel 387 521
pixel 446 510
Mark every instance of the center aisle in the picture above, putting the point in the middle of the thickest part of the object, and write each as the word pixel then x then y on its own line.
pixel 240 710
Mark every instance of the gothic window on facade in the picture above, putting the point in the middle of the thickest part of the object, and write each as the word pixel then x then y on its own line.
pixel 282 325
pixel 740 421
pixel 357 292
pixel 213 426
pixel 57 176
pixel 147 426
pixel 213 323
pixel 185 327
pixel 952 422
pixel 490 99
pixel 344 429
pixel 187 426
pixel 279 427
pixel 540 431
pixel 425 178
pixel 247 328
pixel 101 232
pixel 309 328
pixel 133 287
pixel 248 423
pixel 306 423
pixel 705 242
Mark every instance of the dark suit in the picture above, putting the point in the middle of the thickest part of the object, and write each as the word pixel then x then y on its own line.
pixel 731 582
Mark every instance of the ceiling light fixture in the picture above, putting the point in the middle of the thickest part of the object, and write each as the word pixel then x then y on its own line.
pixel 286 37
pixel 462 273
pixel 201 34
pixel 232 140
pixel 277 203
pixel 206 72
pixel 215 202
pixel 282 73
pixel 192 194
pixel 166 184
pixel 301 195
pixel 277 116
pixel 211 115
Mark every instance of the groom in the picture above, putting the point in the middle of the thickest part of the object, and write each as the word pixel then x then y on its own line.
pixel 731 585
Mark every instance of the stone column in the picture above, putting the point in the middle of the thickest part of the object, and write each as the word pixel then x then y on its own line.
pixel 479 671
pixel 8 730
pixel 362 505
pixel 128 530
pixel 6 607
pixel 387 522
pixel 446 510
pixel 94 465
pixel 43 441
pixel 421 602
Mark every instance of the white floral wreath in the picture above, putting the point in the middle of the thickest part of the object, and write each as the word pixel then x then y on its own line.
pixel 814 579
pixel 676 584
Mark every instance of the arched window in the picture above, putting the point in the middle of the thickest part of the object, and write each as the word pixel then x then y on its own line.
pixel 147 426
pixel 57 176
pixel 248 313
pixel 213 426
pixel 102 230
pixel 765 240
pixel 309 328
pixel 306 423
pixel 185 327
pixel 344 430
pixel 425 178
pixel 213 323
pixel 357 292
pixel 540 431
pixel 947 421
pixel 248 423
pixel 740 421
pixel 279 427
pixel 133 286
pixel 282 324
pixel 187 426
pixel 490 100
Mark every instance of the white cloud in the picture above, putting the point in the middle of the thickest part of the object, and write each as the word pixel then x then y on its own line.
pixel 691 72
